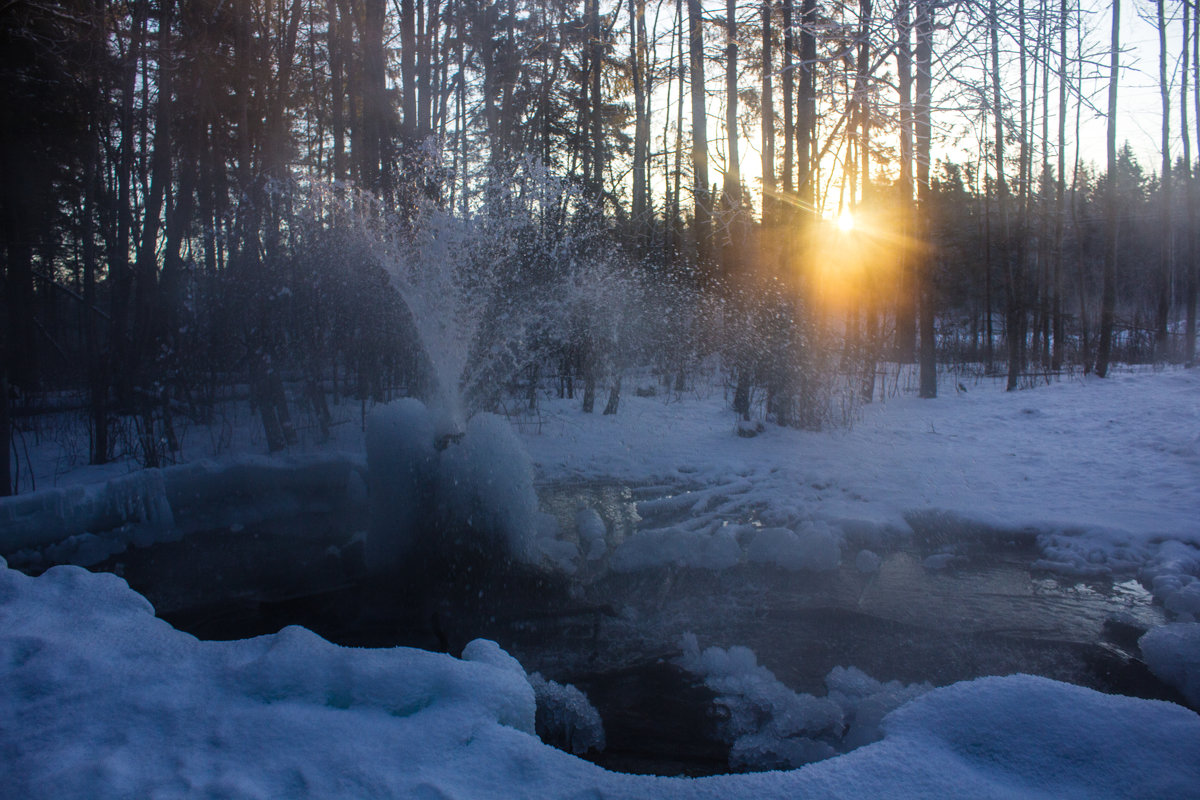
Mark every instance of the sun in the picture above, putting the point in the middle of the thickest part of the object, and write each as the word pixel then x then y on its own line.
pixel 845 222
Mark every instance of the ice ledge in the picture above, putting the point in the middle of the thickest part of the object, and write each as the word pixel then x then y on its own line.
pixel 155 504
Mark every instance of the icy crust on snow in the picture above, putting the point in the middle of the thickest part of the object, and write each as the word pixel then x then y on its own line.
pixel 769 726
pixel 481 482
pixel 1173 654
pixel 85 524
pixel 102 700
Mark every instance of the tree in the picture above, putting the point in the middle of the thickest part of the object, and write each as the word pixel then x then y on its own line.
pixel 700 190
pixel 1109 292
pixel 923 109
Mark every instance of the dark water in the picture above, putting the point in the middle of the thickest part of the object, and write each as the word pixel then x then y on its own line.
pixel 615 635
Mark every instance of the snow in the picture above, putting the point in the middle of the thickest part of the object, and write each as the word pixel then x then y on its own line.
pixel 1104 473
pixel 100 699
pixel 1173 654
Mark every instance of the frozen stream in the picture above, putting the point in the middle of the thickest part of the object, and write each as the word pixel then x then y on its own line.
pixel 615 635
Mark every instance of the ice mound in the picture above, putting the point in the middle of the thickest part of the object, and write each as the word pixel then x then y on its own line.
pixel 566 718
pixel 1172 576
pixel 1173 654
pixel 815 547
pixel 865 702
pixel 86 524
pixel 475 491
pixel 769 726
pixel 592 532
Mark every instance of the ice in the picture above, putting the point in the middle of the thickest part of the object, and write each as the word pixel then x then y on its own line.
pixel 592 532
pixel 865 702
pixel 814 547
pixel 566 718
pixel 486 481
pixel 768 726
pixel 648 549
pixel 1173 654
pixel 427 498
pixel 85 524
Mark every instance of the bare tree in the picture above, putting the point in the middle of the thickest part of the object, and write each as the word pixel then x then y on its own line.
pixel 1108 300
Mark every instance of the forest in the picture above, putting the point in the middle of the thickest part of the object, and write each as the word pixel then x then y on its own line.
pixel 207 200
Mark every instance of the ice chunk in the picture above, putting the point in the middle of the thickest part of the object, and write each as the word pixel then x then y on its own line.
pixel 486 481
pixel 865 701
pixel 1185 601
pixel 768 725
pixel 592 532
pixel 565 717
pixel 1173 654
pixel 815 548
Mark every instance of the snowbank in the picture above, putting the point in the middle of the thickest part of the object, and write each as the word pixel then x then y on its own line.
pixel 85 523
pixel 101 700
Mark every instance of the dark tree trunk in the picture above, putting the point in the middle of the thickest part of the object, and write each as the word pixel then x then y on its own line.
pixel 806 122
pixel 641 135
pixel 700 186
pixel 1193 268
pixel 789 81
pixel 1060 212
pixel 1108 297
pixel 768 119
pixel 1164 260
pixel 924 138
pixel 906 301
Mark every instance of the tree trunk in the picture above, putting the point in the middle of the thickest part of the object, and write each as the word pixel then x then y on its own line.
pixel 1108 298
pixel 641 137
pixel 768 119
pixel 597 120
pixel 1193 269
pixel 906 305
pixel 924 139
pixel 700 186
pixel 789 81
pixel 1056 359
pixel 1164 258
pixel 806 123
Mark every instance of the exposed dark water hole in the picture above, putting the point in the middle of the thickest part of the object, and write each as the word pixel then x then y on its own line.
pixel 615 635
